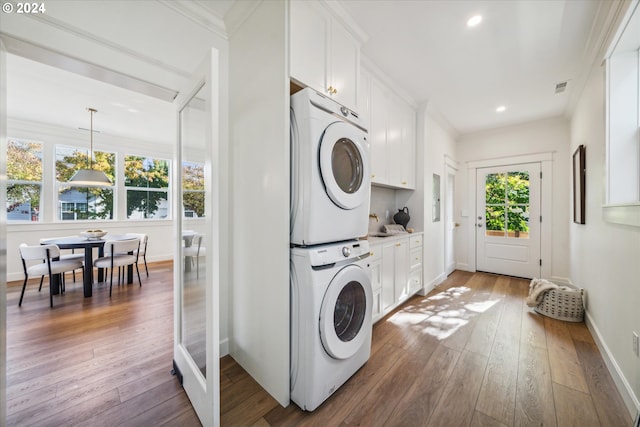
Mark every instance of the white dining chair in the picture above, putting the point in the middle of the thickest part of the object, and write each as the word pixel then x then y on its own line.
pixel 195 251
pixel 143 248
pixel 119 253
pixel 47 265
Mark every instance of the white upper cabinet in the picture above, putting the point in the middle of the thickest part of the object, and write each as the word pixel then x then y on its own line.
pixel 393 139
pixel 324 54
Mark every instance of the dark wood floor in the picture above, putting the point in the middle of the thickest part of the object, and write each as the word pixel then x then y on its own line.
pixel 470 354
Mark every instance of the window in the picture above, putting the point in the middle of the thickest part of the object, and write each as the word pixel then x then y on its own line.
pixel 507 204
pixel 146 182
pixel 81 202
pixel 24 185
pixel 193 189
pixel 623 123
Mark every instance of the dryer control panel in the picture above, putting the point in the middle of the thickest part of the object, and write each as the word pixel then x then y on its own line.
pixel 327 255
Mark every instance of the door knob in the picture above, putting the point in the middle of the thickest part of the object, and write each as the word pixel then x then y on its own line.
pixel 479 225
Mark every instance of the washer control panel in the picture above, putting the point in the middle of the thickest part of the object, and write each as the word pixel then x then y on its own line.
pixel 324 255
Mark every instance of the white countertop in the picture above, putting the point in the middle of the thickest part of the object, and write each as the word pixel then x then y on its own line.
pixel 376 239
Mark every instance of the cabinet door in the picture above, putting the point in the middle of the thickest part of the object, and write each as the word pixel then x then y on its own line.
pixel 407 172
pixel 388 276
pixel 376 274
pixel 344 57
pixel 395 155
pixel 364 98
pixel 401 270
pixel 378 134
pixel 308 44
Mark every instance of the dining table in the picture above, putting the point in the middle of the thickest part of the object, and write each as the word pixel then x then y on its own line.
pixel 80 242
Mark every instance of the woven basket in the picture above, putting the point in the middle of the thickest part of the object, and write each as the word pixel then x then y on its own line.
pixel 563 304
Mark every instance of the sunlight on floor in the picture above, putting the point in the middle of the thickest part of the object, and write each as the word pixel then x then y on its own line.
pixel 443 319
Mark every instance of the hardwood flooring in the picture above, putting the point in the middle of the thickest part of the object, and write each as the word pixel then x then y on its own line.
pixel 468 354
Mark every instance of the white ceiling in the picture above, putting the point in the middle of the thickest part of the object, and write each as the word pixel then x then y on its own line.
pixel 47 94
pixel 514 58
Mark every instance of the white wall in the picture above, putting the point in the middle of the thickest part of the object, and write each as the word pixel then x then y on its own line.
pixel 435 141
pixel 543 136
pixel 604 256
pixel 259 211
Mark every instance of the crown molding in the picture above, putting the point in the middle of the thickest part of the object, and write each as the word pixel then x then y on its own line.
pixel 198 14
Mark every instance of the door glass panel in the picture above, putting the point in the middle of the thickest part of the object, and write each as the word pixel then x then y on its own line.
pixel 507 204
pixel 194 274
pixel 346 164
pixel 349 311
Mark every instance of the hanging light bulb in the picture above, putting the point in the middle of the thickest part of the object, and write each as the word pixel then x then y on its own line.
pixel 90 177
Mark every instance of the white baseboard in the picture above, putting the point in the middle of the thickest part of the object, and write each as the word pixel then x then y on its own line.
pixel 463 266
pixel 561 280
pixel 428 287
pixel 628 396
pixel 224 347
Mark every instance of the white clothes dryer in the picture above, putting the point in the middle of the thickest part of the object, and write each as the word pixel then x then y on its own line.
pixel 330 178
pixel 331 327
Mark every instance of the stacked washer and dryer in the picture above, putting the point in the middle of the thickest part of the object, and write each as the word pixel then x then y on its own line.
pixel 331 295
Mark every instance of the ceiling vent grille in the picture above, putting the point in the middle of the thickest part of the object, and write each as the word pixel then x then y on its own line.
pixel 561 87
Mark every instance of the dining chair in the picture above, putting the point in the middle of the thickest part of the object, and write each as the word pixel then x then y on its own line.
pixel 119 253
pixel 49 263
pixel 143 248
pixel 195 250
pixel 66 254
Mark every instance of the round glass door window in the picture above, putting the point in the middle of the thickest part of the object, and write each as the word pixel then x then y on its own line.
pixel 344 165
pixel 349 312
pixel 345 316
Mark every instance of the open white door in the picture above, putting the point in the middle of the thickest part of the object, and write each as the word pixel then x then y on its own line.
pixel 508 220
pixel 3 235
pixel 196 204
pixel 449 220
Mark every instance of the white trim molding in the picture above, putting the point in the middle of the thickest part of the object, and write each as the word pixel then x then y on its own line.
pixel 630 399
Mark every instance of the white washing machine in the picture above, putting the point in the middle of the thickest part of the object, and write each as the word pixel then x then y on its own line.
pixel 330 178
pixel 331 302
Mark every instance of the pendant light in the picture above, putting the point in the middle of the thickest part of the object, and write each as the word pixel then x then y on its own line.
pixel 91 177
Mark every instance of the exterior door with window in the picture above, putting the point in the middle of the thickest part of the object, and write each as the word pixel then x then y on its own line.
pixel 508 220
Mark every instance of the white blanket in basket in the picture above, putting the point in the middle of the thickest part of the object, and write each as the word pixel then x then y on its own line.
pixel 537 289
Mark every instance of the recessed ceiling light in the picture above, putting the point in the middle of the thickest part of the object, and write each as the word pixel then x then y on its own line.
pixel 501 109
pixel 474 20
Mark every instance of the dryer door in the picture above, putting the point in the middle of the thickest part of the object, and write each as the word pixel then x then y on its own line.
pixel 344 165
pixel 345 316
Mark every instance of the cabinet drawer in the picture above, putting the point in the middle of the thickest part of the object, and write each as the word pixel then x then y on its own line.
pixel 415 242
pixel 415 259
pixel 415 280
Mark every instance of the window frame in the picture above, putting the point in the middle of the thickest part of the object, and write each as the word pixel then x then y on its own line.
pixel 57 185
pixel 39 183
pixel 627 213
pixel 166 190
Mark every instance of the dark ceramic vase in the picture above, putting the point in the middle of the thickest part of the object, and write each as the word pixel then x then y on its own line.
pixel 402 217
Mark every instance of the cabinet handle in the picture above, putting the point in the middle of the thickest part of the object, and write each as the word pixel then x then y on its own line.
pixel 398 244
pixel 370 253
pixel 404 182
pixel 331 90
pixel 373 175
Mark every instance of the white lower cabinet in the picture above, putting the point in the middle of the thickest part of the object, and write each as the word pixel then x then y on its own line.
pixel 376 281
pixel 396 270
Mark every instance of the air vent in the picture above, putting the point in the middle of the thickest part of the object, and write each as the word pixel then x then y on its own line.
pixel 561 87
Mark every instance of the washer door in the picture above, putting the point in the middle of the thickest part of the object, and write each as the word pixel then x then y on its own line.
pixel 345 316
pixel 344 165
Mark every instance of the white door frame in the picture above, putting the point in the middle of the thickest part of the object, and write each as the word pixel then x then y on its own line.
pixel 546 189
pixel 450 166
